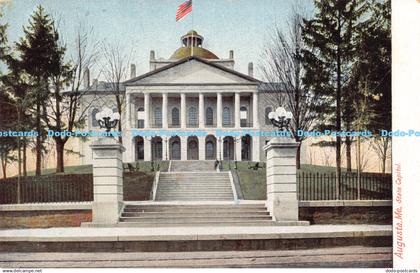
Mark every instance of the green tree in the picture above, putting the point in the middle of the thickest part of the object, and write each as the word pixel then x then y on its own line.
pixel 38 51
pixel 372 70
pixel 327 58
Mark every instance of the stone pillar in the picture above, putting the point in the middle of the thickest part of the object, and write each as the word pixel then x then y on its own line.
pixel 238 148
pixel 202 148
pixel 282 201
pixel 255 148
pixel 237 110
pixel 128 111
pixel 147 149
pixel 201 114
pixel 146 110
pixel 255 120
pixel 183 111
pixel 184 148
pixel 165 110
pixel 164 148
pixel 107 180
pixel 219 110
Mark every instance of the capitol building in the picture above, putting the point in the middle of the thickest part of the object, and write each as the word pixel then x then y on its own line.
pixel 194 90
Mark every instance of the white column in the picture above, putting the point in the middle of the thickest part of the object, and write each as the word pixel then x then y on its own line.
pixel 255 121
pixel 107 181
pixel 183 111
pixel 238 149
pixel 147 149
pixel 219 110
pixel 201 113
pixel 184 148
pixel 255 148
pixel 164 148
pixel 237 110
pixel 165 110
pixel 146 110
pixel 128 111
pixel 202 148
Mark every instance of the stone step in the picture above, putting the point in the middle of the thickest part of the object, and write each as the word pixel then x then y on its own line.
pixel 210 224
pixel 197 206
pixel 194 197
pixel 191 214
pixel 205 219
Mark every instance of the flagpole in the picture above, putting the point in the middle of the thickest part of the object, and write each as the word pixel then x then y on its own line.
pixel 192 29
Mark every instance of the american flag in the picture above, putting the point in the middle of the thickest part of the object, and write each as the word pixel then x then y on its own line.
pixel 183 9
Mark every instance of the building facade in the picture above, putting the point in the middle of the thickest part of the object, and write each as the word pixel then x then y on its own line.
pixel 192 106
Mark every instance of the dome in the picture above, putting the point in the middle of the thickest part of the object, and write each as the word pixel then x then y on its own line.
pixel 194 40
pixel 184 52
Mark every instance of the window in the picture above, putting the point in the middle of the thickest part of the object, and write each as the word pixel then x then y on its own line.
pixel 192 116
pixel 175 116
pixel 226 116
pixel 244 116
pixel 209 116
pixel 158 116
pixel 267 111
pixel 94 121
pixel 140 117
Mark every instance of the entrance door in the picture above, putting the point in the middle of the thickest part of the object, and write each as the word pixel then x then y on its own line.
pixel 228 149
pixel 192 153
pixel 156 149
pixel 246 148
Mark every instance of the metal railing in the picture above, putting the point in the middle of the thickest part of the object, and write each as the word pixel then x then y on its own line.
pixel 323 186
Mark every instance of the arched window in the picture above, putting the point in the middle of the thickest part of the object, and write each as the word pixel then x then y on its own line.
pixel 192 116
pixel 267 111
pixel 158 116
pixel 226 116
pixel 94 121
pixel 140 109
pixel 209 116
pixel 175 116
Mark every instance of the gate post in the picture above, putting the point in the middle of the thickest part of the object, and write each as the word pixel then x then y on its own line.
pixel 107 180
pixel 282 201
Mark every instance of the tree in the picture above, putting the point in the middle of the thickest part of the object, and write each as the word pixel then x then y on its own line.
pixel 117 61
pixel 373 69
pixel 283 70
pixel 8 117
pixel 327 57
pixel 63 110
pixel 38 51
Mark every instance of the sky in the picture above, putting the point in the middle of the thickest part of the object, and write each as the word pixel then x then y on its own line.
pixel 144 25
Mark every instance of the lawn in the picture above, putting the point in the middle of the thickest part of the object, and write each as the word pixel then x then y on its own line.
pixel 314 187
pixel 140 166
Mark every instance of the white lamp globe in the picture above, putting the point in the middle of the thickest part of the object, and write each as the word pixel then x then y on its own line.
pixel 280 111
pixel 271 115
pixel 289 115
pixel 98 116
pixel 115 116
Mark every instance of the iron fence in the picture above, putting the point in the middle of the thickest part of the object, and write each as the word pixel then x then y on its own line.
pixel 323 186
pixel 50 188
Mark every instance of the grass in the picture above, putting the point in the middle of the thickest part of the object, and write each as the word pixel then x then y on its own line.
pixel 140 166
pixel 253 182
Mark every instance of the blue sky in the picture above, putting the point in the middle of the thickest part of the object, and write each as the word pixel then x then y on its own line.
pixel 241 25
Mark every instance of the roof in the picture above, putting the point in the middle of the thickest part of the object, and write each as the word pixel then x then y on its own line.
pixel 185 51
pixel 187 59
pixel 271 87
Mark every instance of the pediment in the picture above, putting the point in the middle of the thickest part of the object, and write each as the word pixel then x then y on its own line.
pixel 192 71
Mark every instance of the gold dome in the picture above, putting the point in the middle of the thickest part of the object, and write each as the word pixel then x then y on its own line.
pixel 192 38
pixel 184 52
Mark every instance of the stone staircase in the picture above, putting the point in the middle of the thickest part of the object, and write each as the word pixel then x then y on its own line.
pixel 166 215
pixel 192 166
pixel 194 186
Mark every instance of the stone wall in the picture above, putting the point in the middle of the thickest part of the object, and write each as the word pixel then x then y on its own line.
pixel 44 218
pixel 355 212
